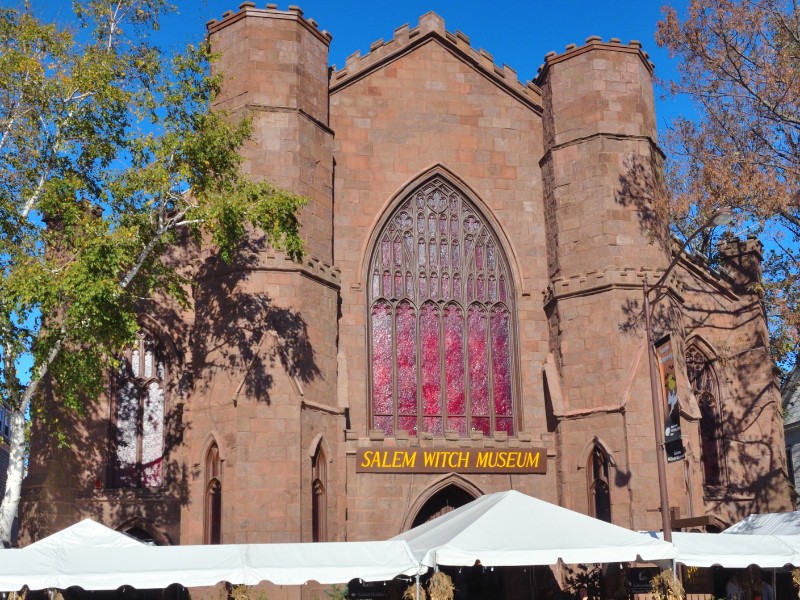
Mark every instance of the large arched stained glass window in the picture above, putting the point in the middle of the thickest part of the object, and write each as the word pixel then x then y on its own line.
pixel 704 385
pixel 441 319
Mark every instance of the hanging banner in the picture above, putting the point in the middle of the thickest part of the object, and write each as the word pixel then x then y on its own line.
pixel 672 420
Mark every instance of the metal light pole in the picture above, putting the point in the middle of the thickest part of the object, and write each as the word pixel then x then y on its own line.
pixel 721 217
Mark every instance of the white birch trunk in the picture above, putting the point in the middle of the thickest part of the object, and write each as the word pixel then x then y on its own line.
pixel 16 470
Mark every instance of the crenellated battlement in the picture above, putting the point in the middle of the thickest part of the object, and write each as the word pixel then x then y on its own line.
pixel 593 42
pixel 248 9
pixel 431 25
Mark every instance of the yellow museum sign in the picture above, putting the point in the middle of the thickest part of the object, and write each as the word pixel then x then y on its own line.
pixel 431 460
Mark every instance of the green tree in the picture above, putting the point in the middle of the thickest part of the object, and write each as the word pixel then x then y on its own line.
pixel 109 156
pixel 739 62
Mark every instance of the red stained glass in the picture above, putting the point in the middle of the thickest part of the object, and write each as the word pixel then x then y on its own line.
pixel 481 424
pixel 398 252
pixel 385 252
pixel 430 368
pixel 454 360
pixel 382 360
pixel 478 361
pixel 433 425
pixel 438 368
pixel 501 362
pixel 384 424
pixel 407 423
pixel 406 360
pixel 458 424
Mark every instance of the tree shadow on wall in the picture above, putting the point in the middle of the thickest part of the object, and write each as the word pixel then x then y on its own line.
pixel 239 329
pixel 719 305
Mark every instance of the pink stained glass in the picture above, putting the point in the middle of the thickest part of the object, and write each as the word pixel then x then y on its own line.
pixel 420 223
pixel 406 360
pixel 431 224
pixel 398 251
pixel 432 252
pixel 409 242
pixel 492 289
pixel 153 436
pixel 387 284
pixel 470 289
pixel 454 360
pixel 398 285
pixel 503 295
pixel 456 255
pixel 383 423
pixel 467 247
pixel 382 360
pixel 454 226
pixel 430 367
pixel 434 286
pixel 407 423
pixel 481 424
pixel 443 252
pixel 409 285
pixel 385 252
pixel 445 286
pixel 504 424
pixel 423 286
pixel 481 289
pixel 490 256
pixel 501 362
pixel 458 424
pixel 421 253
pixel 443 224
pixel 478 361
pixel 479 257
pixel 457 287
pixel 433 425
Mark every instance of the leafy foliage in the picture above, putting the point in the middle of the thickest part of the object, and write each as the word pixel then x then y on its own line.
pixel 109 157
pixel 740 65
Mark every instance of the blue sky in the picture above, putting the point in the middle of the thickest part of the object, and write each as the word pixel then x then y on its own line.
pixel 516 32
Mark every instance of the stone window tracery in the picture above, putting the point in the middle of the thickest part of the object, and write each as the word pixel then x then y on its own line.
pixel 441 320
pixel 704 385
pixel 139 415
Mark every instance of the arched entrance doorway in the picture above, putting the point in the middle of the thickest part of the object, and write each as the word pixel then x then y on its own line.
pixel 442 502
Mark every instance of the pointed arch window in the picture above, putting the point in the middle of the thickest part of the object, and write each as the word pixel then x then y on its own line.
pixel 319 496
pixel 704 385
pixel 212 526
pixel 442 320
pixel 599 485
pixel 139 415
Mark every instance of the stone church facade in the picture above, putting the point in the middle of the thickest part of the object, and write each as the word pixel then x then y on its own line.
pixel 476 253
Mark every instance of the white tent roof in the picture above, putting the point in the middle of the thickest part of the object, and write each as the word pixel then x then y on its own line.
pixel 787 523
pixel 512 529
pixel 709 549
pixel 86 533
pixel 93 567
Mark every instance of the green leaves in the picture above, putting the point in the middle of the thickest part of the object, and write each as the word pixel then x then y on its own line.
pixel 108 152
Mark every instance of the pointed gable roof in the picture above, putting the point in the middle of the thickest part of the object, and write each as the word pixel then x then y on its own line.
pixel 431 28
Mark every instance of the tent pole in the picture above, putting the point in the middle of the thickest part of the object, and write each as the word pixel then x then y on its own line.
pixel 417 592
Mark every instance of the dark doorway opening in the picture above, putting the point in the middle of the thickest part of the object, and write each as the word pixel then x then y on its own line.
pixel 442 502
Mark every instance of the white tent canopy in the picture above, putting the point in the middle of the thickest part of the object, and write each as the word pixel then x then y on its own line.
pixel 87 533
pixel 512 529
pixel 786 523
pixel 709 549
pixel 146 567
